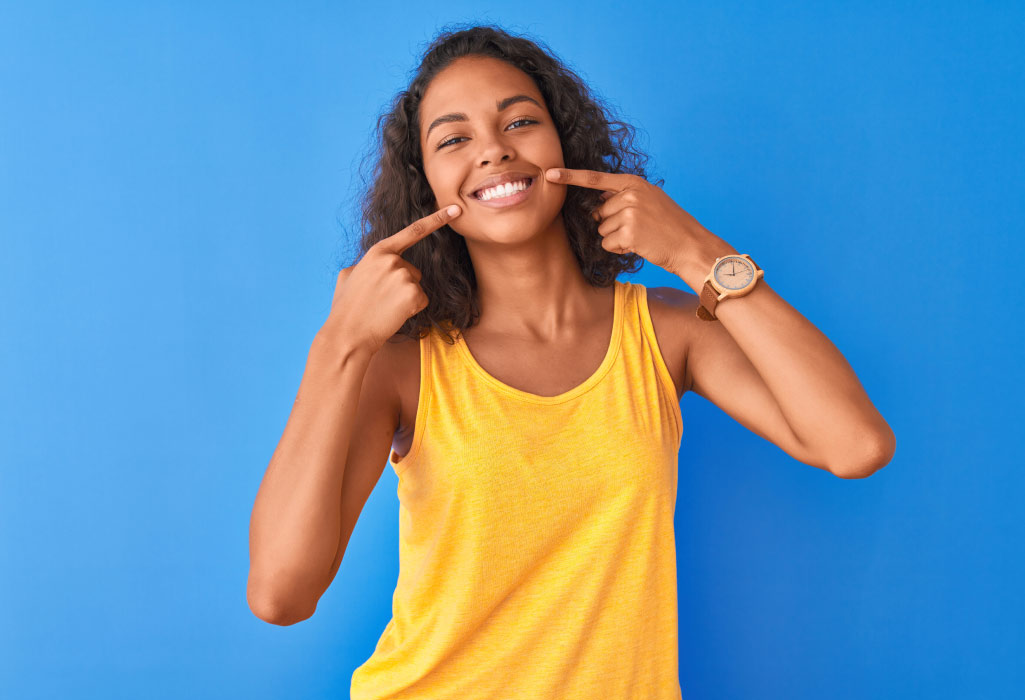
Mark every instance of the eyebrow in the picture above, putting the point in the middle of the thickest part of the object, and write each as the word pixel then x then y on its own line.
pixel 460 117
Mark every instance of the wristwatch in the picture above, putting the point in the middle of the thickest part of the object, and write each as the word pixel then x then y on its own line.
pixel 731 276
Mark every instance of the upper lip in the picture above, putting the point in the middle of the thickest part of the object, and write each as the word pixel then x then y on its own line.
pixel 501 179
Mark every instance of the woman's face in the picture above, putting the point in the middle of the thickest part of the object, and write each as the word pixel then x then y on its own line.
pixel 470 129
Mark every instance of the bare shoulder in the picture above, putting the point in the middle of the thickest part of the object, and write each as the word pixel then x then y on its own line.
pixel 672 313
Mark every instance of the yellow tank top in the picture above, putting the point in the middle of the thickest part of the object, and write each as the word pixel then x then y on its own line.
pixel 537 555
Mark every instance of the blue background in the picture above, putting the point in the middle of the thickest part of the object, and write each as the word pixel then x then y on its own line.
pixel 175 186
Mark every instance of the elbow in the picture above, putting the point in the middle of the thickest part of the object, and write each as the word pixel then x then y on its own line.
pixel 878 457
pixel 862 472
pixel 275 609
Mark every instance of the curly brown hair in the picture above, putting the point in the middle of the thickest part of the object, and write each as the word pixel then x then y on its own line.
pixel 399 192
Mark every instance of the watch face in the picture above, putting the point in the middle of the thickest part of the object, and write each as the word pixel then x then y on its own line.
pixel 734 272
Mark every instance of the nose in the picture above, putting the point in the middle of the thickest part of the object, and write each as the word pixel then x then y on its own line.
pixel 495 150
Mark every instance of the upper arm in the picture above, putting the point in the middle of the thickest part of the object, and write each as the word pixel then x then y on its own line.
pixel 377 419
pixel 716 369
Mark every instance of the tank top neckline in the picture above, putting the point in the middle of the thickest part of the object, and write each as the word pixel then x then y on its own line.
pixel 610 357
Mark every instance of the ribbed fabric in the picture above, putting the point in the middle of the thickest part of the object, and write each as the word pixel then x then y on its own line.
pixel 537 556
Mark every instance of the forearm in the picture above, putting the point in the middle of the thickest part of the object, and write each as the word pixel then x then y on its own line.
pixel 296 518
pixel 816 389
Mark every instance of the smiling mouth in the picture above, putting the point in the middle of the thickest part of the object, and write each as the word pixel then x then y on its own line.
pixel 512 197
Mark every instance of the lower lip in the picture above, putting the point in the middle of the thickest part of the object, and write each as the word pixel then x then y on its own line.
pixel 511 200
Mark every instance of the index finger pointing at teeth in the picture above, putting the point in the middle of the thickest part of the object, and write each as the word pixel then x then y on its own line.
pixel 419 229
pixel 593 179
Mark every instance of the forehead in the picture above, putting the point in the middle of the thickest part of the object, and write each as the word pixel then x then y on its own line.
pixel 474 84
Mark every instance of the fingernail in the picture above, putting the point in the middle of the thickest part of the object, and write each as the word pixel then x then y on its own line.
pixel 453 210
pixel 554 174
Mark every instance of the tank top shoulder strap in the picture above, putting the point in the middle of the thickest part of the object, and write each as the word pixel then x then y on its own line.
pixel 649 348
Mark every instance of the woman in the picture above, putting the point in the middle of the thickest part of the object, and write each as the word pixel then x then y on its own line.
pixel 534 423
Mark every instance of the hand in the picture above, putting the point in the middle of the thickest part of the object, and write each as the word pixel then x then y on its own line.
pixel 374 297
pixel 639 217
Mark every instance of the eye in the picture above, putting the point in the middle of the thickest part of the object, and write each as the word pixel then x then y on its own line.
pixel 457 138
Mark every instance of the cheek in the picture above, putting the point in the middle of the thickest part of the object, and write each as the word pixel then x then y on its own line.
pixel 555 156
pixel 442 183
pixel 553 193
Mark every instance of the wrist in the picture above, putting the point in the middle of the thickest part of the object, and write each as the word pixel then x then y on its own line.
pixel 696 268
pixel 336 341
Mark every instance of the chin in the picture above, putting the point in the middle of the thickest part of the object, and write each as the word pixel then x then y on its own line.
pixel 508 231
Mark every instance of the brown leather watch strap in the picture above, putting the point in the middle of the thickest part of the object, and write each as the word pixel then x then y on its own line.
pixel 706 307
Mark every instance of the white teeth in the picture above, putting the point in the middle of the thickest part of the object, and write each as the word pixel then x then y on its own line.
pixel 503 190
